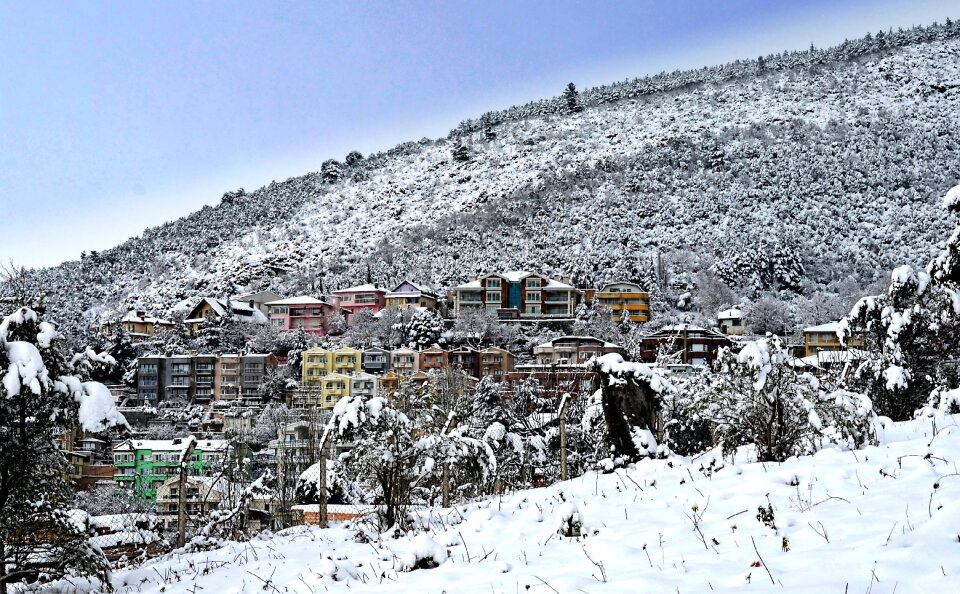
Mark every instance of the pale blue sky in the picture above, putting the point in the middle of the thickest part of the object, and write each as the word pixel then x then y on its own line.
pixel 115 116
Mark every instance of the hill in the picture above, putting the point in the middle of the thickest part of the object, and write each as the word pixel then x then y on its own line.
pixel 806 174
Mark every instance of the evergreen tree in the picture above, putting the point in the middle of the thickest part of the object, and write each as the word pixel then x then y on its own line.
pixel 571 99
pixel 40 399
pixel 460 151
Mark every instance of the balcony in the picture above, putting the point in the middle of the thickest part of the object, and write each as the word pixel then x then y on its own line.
pixel 550 297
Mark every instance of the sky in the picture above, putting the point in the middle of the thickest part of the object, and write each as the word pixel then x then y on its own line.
pixel 118 116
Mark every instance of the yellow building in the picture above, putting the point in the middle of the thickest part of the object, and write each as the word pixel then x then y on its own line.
pixel 824 338
pixel 347 360
pixel 629 297
pixel 333 387
pixel 317 364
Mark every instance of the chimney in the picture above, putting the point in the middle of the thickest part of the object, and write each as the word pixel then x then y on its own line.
pixel 471 279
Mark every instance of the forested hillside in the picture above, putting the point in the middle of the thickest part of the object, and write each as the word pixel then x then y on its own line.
pixel 807 175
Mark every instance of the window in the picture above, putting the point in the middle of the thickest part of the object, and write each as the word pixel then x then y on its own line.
pixel 253 367
pixel 493 283
pixel 698 348
pixel 533 297
pixel 148 368
pixel 533 283
pixel 181 368
pixel 493 296
pixel 533 309
pixel 346 298
pixel 279 310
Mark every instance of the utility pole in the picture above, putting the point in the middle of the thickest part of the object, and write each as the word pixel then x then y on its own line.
pixel 445 477
pixel 564 472
pixel 182 493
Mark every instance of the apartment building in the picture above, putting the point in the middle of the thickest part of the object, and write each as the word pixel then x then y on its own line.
pixel 824 338
pixel 495 362
pixel 308 313
pixel 375 360
pixel 465 358
pixel 433 358
pixel 362 297
pixel 200 378
pixel 408 294
pixel 624 298
pixel 143 465
pixel 573 350
pixel 319 362
pixel 404 361
pixel 518 295
pixel 686 344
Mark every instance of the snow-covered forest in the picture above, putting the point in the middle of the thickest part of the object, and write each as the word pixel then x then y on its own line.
pixel 803 176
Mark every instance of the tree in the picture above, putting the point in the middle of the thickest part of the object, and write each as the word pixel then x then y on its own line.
pixel 595 320
pixel 759 397
pixel 41 397
pixel 423 330
pixel 769 315
pixel 365 330
pixel 331 171
pixel 460 151
pixel 478 326
pixel 353 158
pixel 571 100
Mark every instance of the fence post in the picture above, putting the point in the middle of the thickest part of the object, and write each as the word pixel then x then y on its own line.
pixel 445 468
pixel 562 418
pixel 322 487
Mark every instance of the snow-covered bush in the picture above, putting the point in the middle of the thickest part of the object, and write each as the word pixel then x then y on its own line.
pixel 761 397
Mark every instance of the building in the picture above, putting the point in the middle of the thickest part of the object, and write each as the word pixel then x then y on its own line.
pixel 465 358
pixel 143 465
pixel 495 362
pixel 138 325
pixel 364 384
pixel 433 358
pixel 333 387
pixel 626 297
pixel 319 362
pixel 554 380
pixel 258 300
pixel 201 498
pixel 404 361
pixel 730 321
pixel 363 297
pixel 517 295
pixel 200 378
pixel 573 350
pixel 212 308
pixel 347 360
pixel 309 313
pixel 390 383
pixel 408 294
pixel 375 360
pixel 824 338
pixel 684 343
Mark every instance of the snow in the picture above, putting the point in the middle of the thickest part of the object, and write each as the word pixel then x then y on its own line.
pixel 26 368
pixel 359 289
pixel 881 519
pixel 301 300
pixel 828 327
pixel 613 363
pixel 98 410
pixel 951 201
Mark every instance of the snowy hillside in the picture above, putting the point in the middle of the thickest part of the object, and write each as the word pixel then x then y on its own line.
pixel 883 519
pixel 809 172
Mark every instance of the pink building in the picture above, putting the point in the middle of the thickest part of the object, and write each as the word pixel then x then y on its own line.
pixel 313 315
pixel 356 299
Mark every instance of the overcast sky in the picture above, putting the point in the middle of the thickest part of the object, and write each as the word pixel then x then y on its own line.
pixel 116 116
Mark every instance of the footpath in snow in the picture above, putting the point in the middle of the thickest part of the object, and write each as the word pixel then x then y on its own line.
pixel 880 520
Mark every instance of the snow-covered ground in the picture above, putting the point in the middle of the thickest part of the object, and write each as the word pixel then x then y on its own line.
pixel 882 519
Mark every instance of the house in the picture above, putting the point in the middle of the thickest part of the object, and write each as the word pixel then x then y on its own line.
pixel 138 325
pixel 201 497
pixel 347 361
pixel 390 383
pixel 363 297
pixel 466 359
pixel 573 350
pixel 143 465
pixel 824 360
pixel 621 297
pixel 213 308
pixel 495 362
pixel 404 361
pixel 730 321
pixel 824 338
pixel 517 295
pixel 433 358
pixel 553 380
pixel 408 294
pixel 258 300
pixel 685 343
pixel 313 315
pixel 375 360
pixel 319 362
pixel 364 384
pixel 333 387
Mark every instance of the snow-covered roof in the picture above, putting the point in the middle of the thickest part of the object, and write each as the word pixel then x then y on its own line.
pixel 360 288
pixel 168 445
pixel 417 289
pixel 828 327
pixel 579 338
pixel 301 300
pixel 141 318
pixel 733 313
pixel 830 357
pixel 515 276
pixel 682 328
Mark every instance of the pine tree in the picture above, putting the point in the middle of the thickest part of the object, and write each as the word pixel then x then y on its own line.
pixel 40 399
pixel 571 100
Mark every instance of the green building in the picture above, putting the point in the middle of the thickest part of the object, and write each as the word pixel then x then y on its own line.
pixel 143 465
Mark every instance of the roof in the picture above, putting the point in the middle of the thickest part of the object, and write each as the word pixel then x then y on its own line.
pixel 829 357
pixel 727 314
pixel 219 306
pixel 167 445
pixel 360 288
pixel 828 327
pixel 418 289
pixel 134 316
pixel 301 300
pixel 515 276
pixel 580 338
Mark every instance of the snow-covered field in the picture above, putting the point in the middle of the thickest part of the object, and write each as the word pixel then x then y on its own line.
pixel 882 519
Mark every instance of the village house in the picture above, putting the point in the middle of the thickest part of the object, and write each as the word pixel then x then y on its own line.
pixel 495 362
pixel 375 360
pixel 257 300
pixel 517 295
pixel 137 325
pixel 408 294
pixel 143 465
pixel 573 350
pixel 730 321
pixel 213 308
pixel 824 338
